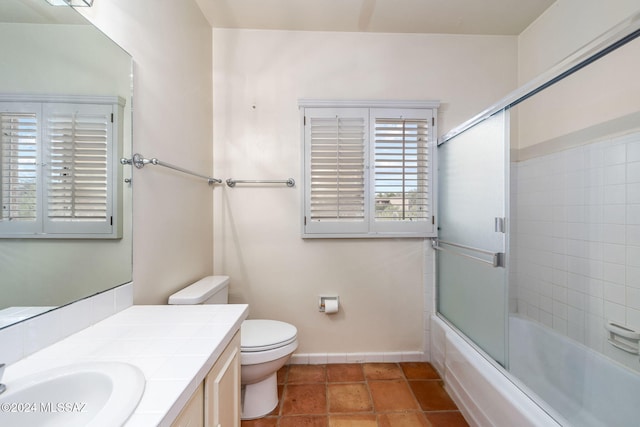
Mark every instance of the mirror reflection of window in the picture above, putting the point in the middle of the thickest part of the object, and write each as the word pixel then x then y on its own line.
pixel 58 164
pixel 55 52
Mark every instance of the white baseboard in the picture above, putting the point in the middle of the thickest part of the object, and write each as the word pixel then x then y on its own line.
pixel 330 358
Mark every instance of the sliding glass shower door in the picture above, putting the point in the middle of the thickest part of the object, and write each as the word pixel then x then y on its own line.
pixel 471 247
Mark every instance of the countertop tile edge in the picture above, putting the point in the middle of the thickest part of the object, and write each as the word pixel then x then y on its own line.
pixel 184 397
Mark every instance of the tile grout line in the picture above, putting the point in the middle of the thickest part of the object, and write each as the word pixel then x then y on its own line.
pixel 366 382
pixel 400 374
pixel 413 394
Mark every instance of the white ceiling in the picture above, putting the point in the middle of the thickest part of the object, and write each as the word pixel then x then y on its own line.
pixel 493 17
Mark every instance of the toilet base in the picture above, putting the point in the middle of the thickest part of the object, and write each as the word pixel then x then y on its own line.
pixel 258 399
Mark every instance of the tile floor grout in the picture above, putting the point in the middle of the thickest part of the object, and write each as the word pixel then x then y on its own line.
pixel 405 394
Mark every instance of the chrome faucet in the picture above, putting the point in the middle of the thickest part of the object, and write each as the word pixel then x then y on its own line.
pixel 2 386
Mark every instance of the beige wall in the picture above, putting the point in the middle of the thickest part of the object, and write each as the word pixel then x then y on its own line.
pixel 171 46
pixel 598 100
pixel 258 78
pixel 564 28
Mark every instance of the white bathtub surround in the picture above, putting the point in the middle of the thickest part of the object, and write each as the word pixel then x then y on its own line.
pixel 484 395
pixel 585 387
pixel 175 347
pixel 29 336
pixel 577 241
pixel 575 384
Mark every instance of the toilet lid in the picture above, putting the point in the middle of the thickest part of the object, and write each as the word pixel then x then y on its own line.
pixel 261 335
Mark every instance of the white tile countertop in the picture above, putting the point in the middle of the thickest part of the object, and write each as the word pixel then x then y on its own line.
pixel 174 346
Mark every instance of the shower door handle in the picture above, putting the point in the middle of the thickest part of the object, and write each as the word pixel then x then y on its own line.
pixel 497 258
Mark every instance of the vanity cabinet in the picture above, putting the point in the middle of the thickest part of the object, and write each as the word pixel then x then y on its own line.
pixel 192 415
pixel 216 402
pixel 222 388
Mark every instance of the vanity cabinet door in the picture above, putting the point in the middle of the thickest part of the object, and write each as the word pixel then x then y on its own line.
pixel 192 415
pixel 222 388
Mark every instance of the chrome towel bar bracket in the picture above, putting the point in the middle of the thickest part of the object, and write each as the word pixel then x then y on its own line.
pixel 232 182
pixel 139 162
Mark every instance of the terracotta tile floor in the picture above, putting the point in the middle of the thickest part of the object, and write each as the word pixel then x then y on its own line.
pixel 361 395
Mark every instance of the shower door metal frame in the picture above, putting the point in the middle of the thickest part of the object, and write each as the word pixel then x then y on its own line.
pixel 498 259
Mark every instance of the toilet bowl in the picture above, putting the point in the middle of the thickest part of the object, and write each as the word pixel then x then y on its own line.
pixel 265 346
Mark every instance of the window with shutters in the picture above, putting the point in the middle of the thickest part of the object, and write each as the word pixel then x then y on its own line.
pixel 58 165
pixel 368 168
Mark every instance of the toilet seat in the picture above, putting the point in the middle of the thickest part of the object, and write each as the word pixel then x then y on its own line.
pixel 262 335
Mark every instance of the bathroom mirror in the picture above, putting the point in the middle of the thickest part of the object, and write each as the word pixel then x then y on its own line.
pixel 52 51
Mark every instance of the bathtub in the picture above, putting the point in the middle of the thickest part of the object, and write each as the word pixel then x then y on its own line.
pixel 586 388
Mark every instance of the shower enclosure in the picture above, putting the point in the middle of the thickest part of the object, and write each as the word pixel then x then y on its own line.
pixel 538 254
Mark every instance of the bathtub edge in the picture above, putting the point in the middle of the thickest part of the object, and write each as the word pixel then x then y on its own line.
pixel 483 394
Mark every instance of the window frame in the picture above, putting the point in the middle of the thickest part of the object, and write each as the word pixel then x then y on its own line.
pixel 370 228
pixel 44 227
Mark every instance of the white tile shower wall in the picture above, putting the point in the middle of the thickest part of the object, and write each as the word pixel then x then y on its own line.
pixel 22 339
pixel 577 241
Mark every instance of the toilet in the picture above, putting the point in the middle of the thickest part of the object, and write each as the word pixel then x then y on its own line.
pixel 265 346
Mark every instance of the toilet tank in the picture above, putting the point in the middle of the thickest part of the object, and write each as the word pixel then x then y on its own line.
pixel 208 290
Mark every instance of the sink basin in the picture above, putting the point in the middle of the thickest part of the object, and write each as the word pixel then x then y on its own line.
pixel 84 394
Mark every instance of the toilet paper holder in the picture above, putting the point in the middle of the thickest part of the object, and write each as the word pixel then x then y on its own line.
pixel 328 300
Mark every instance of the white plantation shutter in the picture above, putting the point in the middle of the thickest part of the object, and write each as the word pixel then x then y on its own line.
pixel 77 173
pixel 401 160
pixel 19 133
pixel 336 156
pixel 368 169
